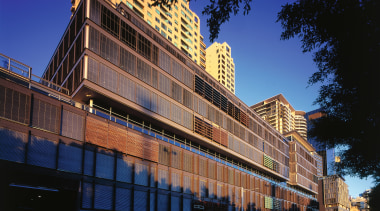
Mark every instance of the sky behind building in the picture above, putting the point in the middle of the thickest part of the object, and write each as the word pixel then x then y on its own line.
pixel 265 65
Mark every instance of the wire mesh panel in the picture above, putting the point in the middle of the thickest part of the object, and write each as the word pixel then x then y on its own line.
pixel 175 181
pixel 96 131
pixel 72 125
pixel 14 105
pixel 124 169
pixel 123 199
pixel 12 145
pixel 70 158
pixel 140 201
pixel 187 183
pixel 188 162
pixel 163 178
pixel 117 138
pixel 103 197
pixel 141 174
pixel 46 116
pixel 42 152
pixel 105 165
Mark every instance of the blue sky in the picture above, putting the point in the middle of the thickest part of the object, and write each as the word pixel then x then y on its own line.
pixel 265 65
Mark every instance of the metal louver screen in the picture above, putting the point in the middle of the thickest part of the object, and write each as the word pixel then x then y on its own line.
pixel 45 116
pixel 14 105
pixel 72 125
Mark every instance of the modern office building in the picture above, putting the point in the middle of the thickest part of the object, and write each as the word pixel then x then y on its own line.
pixel 221 65
pixel 335 194
pixel 123 120
pixel 281 115
pixel 303 163
pixel 328 155
pixel 177 23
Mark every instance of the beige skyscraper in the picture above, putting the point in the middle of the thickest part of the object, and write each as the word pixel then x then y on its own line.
pixel 281 115
pixel 221 65
pixel 178 24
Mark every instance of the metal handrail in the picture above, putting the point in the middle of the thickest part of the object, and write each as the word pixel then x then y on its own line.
pixel 25 71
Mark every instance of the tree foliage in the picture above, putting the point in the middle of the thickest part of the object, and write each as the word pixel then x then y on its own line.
pixel 219 12
pixel 345 38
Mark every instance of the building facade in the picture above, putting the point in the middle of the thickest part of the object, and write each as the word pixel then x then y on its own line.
pixel 302 163
pixel 124 120
pixel 177 23
pixel 281 115
pixel 220 64
pixel 335 194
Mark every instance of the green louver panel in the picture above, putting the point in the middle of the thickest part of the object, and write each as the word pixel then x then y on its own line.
pixel 268 203
pixel 268 162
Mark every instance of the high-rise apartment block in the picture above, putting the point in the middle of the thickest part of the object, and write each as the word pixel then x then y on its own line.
pixel 281 115
pixel 123 120
pixel 178 24
pixel 221 65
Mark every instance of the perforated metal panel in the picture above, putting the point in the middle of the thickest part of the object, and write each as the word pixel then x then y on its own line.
pixel 123 199
pixel 12 145
pixel 69 158
pixel 42 152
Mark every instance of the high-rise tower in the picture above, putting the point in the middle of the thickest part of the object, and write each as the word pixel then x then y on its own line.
pixel 281 115
pixel 178 24
pixel 221 65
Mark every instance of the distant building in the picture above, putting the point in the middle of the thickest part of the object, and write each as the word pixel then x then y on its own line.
pixel 328 155
pixel 221 65
pixel 335 196
pixel 361 203
pixel 178 24
pixel 281 115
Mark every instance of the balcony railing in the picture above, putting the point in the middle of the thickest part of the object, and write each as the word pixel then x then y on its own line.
pixel 19 72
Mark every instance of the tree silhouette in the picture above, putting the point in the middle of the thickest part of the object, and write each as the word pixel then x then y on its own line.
pixel 345 38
